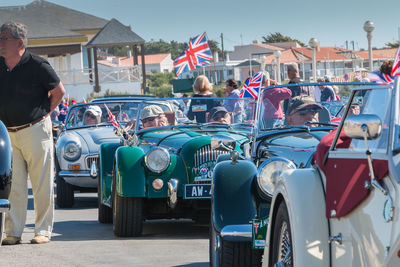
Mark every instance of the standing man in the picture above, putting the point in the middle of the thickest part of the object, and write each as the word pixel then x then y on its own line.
pixel 294 77
pixel 29 91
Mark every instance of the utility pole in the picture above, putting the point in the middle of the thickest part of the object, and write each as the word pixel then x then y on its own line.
pixel 222 47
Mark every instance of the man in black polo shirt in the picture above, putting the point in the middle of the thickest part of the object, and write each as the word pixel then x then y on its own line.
pixel 29 91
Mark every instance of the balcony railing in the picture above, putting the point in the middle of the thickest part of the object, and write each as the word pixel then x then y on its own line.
pixel 109 75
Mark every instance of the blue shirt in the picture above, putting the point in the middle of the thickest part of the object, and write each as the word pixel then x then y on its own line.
pixel 229 104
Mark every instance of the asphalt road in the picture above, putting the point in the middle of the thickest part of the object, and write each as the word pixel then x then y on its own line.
pixel 80 240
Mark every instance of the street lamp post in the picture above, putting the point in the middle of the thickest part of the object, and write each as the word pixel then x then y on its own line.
pixel 314 44
pixel 277 55
pixel 273 64
pixel 369 27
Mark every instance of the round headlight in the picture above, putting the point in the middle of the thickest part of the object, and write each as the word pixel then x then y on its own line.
pixel 157 159
pixel 269 171
pixel 72 151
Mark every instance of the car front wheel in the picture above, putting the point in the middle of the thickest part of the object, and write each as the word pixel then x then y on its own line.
pixel 65 193
pixel 215 253
pixel 2 221
pixel 127 214
pixel 105 213
pixel 282 248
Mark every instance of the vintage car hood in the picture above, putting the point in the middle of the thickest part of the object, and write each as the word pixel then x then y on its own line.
pixel 95 136
pixel 177 138
pixel 298 147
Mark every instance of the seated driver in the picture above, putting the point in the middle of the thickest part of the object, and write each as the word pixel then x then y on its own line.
pixel 302 109
pixel 219 114
pixel 92 115
pixel 153 116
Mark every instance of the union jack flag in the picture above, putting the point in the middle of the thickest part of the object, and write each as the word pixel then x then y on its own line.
pixel 112 118
pixel 252 86
pixel 396 64
pixel 380 78
pixel 197 54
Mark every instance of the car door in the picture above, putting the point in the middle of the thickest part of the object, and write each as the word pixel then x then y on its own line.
pixel 361 236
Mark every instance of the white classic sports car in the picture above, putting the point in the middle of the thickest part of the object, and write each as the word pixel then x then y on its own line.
pixel 344 211
pixel 87 126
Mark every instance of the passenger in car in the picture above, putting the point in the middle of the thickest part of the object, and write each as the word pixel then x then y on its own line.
pixel 199 107
pixel 153 116
pixel 220 115
pixel 302 109
pixel 92 115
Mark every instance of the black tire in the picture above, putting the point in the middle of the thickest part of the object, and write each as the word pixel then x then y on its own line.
pixel 214 252
pixel 127 214
pixel 237 254
pixel 65 193
pixel 282 249
pixel 105 213
pixel 2 216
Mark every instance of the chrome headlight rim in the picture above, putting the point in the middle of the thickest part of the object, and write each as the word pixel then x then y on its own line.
pixel 265 192
pixel 148 162
pixel 78 153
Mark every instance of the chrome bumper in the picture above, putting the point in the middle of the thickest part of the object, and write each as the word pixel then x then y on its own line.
pixel 4 205
pixel 238 233
pixel 172 193
pixel 75 174
pixel 82 178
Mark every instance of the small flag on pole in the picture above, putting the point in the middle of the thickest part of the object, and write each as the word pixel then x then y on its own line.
pixel 396 64
pixel 112 118
pixel 252 86
pixel 380 78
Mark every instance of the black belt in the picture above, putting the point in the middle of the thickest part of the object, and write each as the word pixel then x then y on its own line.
pixel 16 129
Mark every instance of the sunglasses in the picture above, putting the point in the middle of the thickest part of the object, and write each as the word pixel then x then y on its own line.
pixel 7 39
pixel 90 115
pixel 219 116
pixel 304 111
pixel 152 118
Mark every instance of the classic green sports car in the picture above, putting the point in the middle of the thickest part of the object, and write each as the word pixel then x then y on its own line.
pixel 163 165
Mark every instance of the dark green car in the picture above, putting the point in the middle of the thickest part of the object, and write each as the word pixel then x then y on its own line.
pixel 165 171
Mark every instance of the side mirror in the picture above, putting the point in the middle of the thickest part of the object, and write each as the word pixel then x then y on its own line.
pixel 356 125
pixel 223 142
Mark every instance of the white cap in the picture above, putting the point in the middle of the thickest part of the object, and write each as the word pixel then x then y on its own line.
pixel 95 110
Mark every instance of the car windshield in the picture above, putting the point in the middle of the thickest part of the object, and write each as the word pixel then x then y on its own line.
pixel 194 111
pixel 294 105
pixel 96 114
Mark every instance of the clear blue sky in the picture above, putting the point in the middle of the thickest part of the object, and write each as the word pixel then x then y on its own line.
pixel 242 21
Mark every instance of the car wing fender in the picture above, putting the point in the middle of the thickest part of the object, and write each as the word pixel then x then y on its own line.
pixel 130 176
pixel 232 201
pixel 106 165
pixel 303 192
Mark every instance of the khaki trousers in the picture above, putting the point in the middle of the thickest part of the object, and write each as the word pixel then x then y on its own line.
pixel 32 155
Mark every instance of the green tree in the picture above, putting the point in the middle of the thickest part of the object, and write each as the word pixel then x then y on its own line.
pixel 160 84
pixel 277 37
pixel 393 45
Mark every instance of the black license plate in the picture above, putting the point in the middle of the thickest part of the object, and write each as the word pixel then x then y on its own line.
pixel 197 191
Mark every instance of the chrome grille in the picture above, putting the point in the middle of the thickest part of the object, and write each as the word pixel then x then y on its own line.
pixel 92 158
pixel 205 154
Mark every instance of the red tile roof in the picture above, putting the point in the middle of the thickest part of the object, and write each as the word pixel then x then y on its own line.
pixel 378 53
pixel 287 56
pixel 325 53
